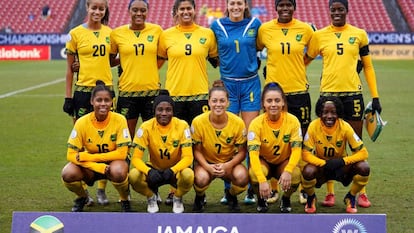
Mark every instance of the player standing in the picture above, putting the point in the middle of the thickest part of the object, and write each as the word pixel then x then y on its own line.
pixel 341 45
pixel 89 45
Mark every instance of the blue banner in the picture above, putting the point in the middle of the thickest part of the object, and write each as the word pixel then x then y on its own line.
pixel 400 38
pixel 197 223
pixel 33 39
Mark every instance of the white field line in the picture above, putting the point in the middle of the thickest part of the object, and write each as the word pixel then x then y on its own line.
pixel 31 88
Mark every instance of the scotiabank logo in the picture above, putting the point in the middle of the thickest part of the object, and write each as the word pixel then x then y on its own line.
pixel 25 52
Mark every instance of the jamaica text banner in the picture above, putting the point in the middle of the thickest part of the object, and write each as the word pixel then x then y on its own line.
pixel 205 223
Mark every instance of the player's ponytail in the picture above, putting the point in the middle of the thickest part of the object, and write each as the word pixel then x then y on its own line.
pixel 218 85
pixel 274 86
pixel 100 86
pixel 105 19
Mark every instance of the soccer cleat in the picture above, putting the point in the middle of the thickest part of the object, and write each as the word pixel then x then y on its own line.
pixel 89 201
pixel 262 206
pixel 169 199
pixel 152 204
pixel 159 200
pixel 363 200
pixel 101 197
pixel 349 201
pixel 303 197
pixel 233 202
pixel 329 200
pixel 274 196
pixel 223 200
pixel 285 206
pixel 310 206
pixel 79 204
pixel 249 199
pixel 125 206
pixel 198 205
pixel 178 206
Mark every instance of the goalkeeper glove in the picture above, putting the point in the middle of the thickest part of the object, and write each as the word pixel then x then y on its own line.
pixel 68 106
pixel 376 106
pixel 214 61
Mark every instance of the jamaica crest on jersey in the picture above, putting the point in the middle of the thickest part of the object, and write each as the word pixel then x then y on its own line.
pixel 203 40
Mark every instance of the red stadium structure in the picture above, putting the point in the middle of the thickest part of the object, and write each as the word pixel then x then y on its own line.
pixel 371 15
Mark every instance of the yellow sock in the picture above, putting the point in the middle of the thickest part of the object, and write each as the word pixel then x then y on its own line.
pixel 122 189
pixel 76 187
pixel 330 186
pixel 358 183
pixel 138 182
pixel 236 190
pixel 102 184
pixel 363 190
pixel 274 184
pixel 200 191
pixel 309 186
pixel 185 181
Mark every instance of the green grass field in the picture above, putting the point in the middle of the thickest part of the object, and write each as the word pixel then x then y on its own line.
pixel 34 132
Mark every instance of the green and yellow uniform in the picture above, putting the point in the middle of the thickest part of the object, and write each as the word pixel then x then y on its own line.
pixel 274 142
pixel 218 145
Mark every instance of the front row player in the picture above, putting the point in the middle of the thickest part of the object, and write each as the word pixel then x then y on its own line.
pixel 275 144
pixel 325 151
pixel 170 155
pixel 97 149
pixel 219 149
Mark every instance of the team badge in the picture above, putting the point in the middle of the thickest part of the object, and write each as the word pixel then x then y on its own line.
pixel 356 137
pixel 125 132
pixel 338 35
pixel 251 32
pixel 203 40
pixel 188 35
pixel 107 40
pixel 339 143
pixel 352 40
pixel 299 37
pixel 150 38
pixel 187 133
pixel 140 132
pixel 176 143
pixel 229 139
pixel 113 137
pixel 250 136
pixel 286 138
pixel 73 134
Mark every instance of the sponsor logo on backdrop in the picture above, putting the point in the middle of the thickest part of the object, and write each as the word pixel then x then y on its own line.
pixel 26 52
pixel 349 225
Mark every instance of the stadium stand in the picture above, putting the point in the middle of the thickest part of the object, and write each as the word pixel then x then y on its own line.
pixel 16 14
pixel 407 8
pixel 372 18
pixel 370 14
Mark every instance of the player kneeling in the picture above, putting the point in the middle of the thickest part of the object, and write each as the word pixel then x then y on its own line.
pixel 325 151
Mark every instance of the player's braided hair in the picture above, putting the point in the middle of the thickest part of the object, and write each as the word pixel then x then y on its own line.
pixel 335 100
